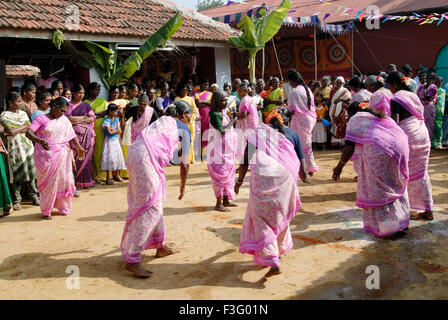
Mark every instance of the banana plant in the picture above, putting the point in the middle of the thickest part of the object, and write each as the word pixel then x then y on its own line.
pixel 104 59
pixel 256 32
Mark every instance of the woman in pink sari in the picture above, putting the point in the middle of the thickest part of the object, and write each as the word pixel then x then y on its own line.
pixel 221 152
pixel 52 134
pixel 147 158
pixel 380 98
pixel 303 120
pixel 274 198
pixel 380 159
pixel 203 100
pixel 408 112
pixel 361 94
pixel 82 118
pixel 247 119
pixel 428 96
pixel 142 116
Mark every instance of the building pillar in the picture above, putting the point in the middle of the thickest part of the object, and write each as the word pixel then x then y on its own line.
pixel 222 66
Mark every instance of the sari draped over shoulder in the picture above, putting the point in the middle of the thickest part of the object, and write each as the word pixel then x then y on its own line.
pixel 428 97
pixel 142 123
pixel 204 115
pixel 273 199
pixel 221 153
pixel 419 188
pixel 98 105
pixel 86 136
pixel 303 121
pixel 54 167
pixel 381 161
pixel 146 160
pixel 338 114
pixel 380 100
pixel 362 95
pixel 245 125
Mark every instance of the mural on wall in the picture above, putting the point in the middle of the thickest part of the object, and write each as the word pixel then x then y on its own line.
pixel 298 54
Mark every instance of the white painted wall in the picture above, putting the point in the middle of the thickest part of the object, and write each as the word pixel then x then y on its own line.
pixel 94 77
pixel 222 66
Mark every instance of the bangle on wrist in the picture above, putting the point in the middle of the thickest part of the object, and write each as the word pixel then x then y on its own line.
pixel 342 163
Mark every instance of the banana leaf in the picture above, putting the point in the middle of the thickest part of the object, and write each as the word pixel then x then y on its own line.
pixel 273 22
pixel 133 63
pixel 102 55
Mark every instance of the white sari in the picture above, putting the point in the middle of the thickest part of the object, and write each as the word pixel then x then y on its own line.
pixel 341 94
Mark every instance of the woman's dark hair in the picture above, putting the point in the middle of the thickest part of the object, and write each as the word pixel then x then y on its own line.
pixel 55 83
pixel 354 108
pixel 243 86
pixel 133 86
pixel 111 107
pixel 44 95
pixel 28 86
pixel 53 92
pixel 12 96
pixel 92 86
pixel 293 75
pixel 217 95
pixel 397 78
pixel 121 87
pixel 203 81
pixel 113 88
pixel 178 109
pixel 143 97
pixel 356 82
pixel 286 115
pixel 227 85
pixel 65 91
pixel 76 88
pixel 59 102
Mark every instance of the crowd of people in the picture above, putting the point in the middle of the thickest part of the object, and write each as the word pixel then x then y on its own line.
pixel 58 140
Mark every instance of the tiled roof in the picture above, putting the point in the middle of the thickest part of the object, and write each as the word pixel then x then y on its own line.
pixel 138 18
pixel 18 71
pixel 311 7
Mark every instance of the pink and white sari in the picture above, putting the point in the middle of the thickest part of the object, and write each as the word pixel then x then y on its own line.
pixel 54 167
pixel 142 123
pixel 221 152
pixel 204 114
pixel 146 161
pixel 303 121
pixel 362 95
pixel 381 162
pixel 380 100
pixel 274 198
pixel 244 126
pixel 419 188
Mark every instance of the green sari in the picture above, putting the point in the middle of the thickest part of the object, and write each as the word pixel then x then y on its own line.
pixel 277 94
pixel 5 196
pixel 99 105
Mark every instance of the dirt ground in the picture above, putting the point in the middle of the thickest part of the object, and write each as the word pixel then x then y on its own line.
pixel 329 260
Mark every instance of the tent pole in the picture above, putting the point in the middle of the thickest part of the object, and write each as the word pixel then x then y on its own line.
pixel 352 54
pixel 315 53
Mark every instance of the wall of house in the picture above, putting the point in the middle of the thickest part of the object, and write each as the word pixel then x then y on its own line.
pixel 399 43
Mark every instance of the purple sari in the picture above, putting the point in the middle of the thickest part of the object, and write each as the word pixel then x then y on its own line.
pixel 86 136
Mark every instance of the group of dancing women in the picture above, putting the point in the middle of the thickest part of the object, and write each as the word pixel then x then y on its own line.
pixel 385 137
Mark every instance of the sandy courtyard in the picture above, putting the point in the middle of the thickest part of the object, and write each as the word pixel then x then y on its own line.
pixel 329 260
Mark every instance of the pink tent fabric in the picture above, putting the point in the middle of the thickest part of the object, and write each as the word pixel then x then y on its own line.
pixel 274 198
pixel 381 162
pixel 244 126
pixel 146 161
pixel 419 188
pixel 143 122
pixel 54 167
pixel 303 122
pixel 380 101
pixel 221 153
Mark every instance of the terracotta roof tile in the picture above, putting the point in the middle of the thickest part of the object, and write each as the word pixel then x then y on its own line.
pixel 125 17
pixel 14 71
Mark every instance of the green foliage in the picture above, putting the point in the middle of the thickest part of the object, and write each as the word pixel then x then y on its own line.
pixel 104 60
pixel 207 4
pixel 58 38
pixel 256 32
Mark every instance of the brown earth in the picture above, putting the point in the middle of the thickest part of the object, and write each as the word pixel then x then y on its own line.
pixel 329 260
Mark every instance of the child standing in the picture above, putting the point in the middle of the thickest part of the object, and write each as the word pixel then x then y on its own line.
pixel 112 159
pixel 319 134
